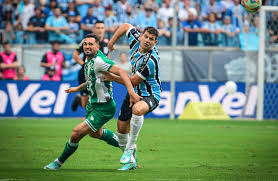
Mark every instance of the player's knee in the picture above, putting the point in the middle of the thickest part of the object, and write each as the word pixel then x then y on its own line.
pixel 95 135
pixel 137 111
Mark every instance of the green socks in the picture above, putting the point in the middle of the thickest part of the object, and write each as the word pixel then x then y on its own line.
pixel 68 151
pixel 109 137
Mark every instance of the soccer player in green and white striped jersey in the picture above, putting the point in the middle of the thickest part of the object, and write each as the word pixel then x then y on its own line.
pixel 101 106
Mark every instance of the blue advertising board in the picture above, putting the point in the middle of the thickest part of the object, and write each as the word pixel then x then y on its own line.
pixel 48 99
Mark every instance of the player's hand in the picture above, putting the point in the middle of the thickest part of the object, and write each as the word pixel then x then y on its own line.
pixel 133 98
pixel 111 47
pixel 72 89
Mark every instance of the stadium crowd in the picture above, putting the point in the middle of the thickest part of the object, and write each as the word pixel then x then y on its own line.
pixel 208 22
pixel 200 23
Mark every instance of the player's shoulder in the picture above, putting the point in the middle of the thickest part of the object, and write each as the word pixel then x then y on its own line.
pixel 132 31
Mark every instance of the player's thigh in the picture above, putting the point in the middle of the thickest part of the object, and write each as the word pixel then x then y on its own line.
pixel 146 105
pixel 140 108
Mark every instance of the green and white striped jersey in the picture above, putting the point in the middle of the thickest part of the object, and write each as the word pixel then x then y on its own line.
pixel 99 91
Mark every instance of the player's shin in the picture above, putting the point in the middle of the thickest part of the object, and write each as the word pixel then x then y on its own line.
pixel 109 137
pixel 123 138
pixel 69 149
pixel 136 124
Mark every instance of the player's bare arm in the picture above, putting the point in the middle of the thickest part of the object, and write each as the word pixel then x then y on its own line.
pixel 118 34
pixel 135 80
pixel 77 58
pixel 76 89
pixel 126 81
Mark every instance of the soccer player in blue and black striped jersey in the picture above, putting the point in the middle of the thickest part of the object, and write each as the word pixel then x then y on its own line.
pixel 146 81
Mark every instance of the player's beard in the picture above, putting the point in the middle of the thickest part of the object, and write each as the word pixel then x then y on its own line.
pixel 89 53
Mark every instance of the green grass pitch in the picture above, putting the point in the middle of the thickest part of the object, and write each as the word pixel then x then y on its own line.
pixel 167 150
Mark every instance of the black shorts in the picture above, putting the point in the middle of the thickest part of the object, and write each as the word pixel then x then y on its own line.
pixel 126 111
pixel 81 80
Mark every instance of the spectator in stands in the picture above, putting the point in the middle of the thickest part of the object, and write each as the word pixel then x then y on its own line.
pixel 165 12
pixel 271 2
pixel 83 6
pixel 36 32
pixel 179 33
pixel 6 13
pixel 87 23
pixel 229 33
pixel 98 10
pixel 54 59
pixel 25 11
pixel 9 33
pixel 211 31
pixel 272 26
pixel 154 5
pixel 237 14
pixel 110 21
pixel 213 7
pixel 20 73
pixel 120 8
pixel 57 25
pixel 8 62
pixel 73 31
pixel 184 11
pixel 51 75
pixel 146 19
pixel 107 3
pixel 124 63
pixel 163 34
pixel 71 9
pixel 63 4
pixel 49 8
pixel 128 17
pixel 19 33
pixel 193 26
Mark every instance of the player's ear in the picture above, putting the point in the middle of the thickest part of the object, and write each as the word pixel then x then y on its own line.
pixel 155 42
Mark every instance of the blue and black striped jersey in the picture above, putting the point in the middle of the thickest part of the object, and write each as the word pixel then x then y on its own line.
pixel 146 65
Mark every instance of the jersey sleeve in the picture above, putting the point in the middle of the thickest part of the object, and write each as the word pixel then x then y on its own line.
pixel 103 64
pixel 133 36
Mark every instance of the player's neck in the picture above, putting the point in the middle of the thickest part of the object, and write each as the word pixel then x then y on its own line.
pixel 142 50
pixel 89 57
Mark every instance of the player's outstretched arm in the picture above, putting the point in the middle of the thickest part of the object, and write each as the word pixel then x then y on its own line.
pixel 118 34
pixel 125 79
pixel 135 80
pixel 76 89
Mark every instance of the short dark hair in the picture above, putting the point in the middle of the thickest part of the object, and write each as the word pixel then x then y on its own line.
pixel 55 42
pixel 151 30
pixel 5 43
pixel 92 35
pixel 98 21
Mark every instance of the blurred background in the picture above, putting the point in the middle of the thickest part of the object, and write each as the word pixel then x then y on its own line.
pixel 216 41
